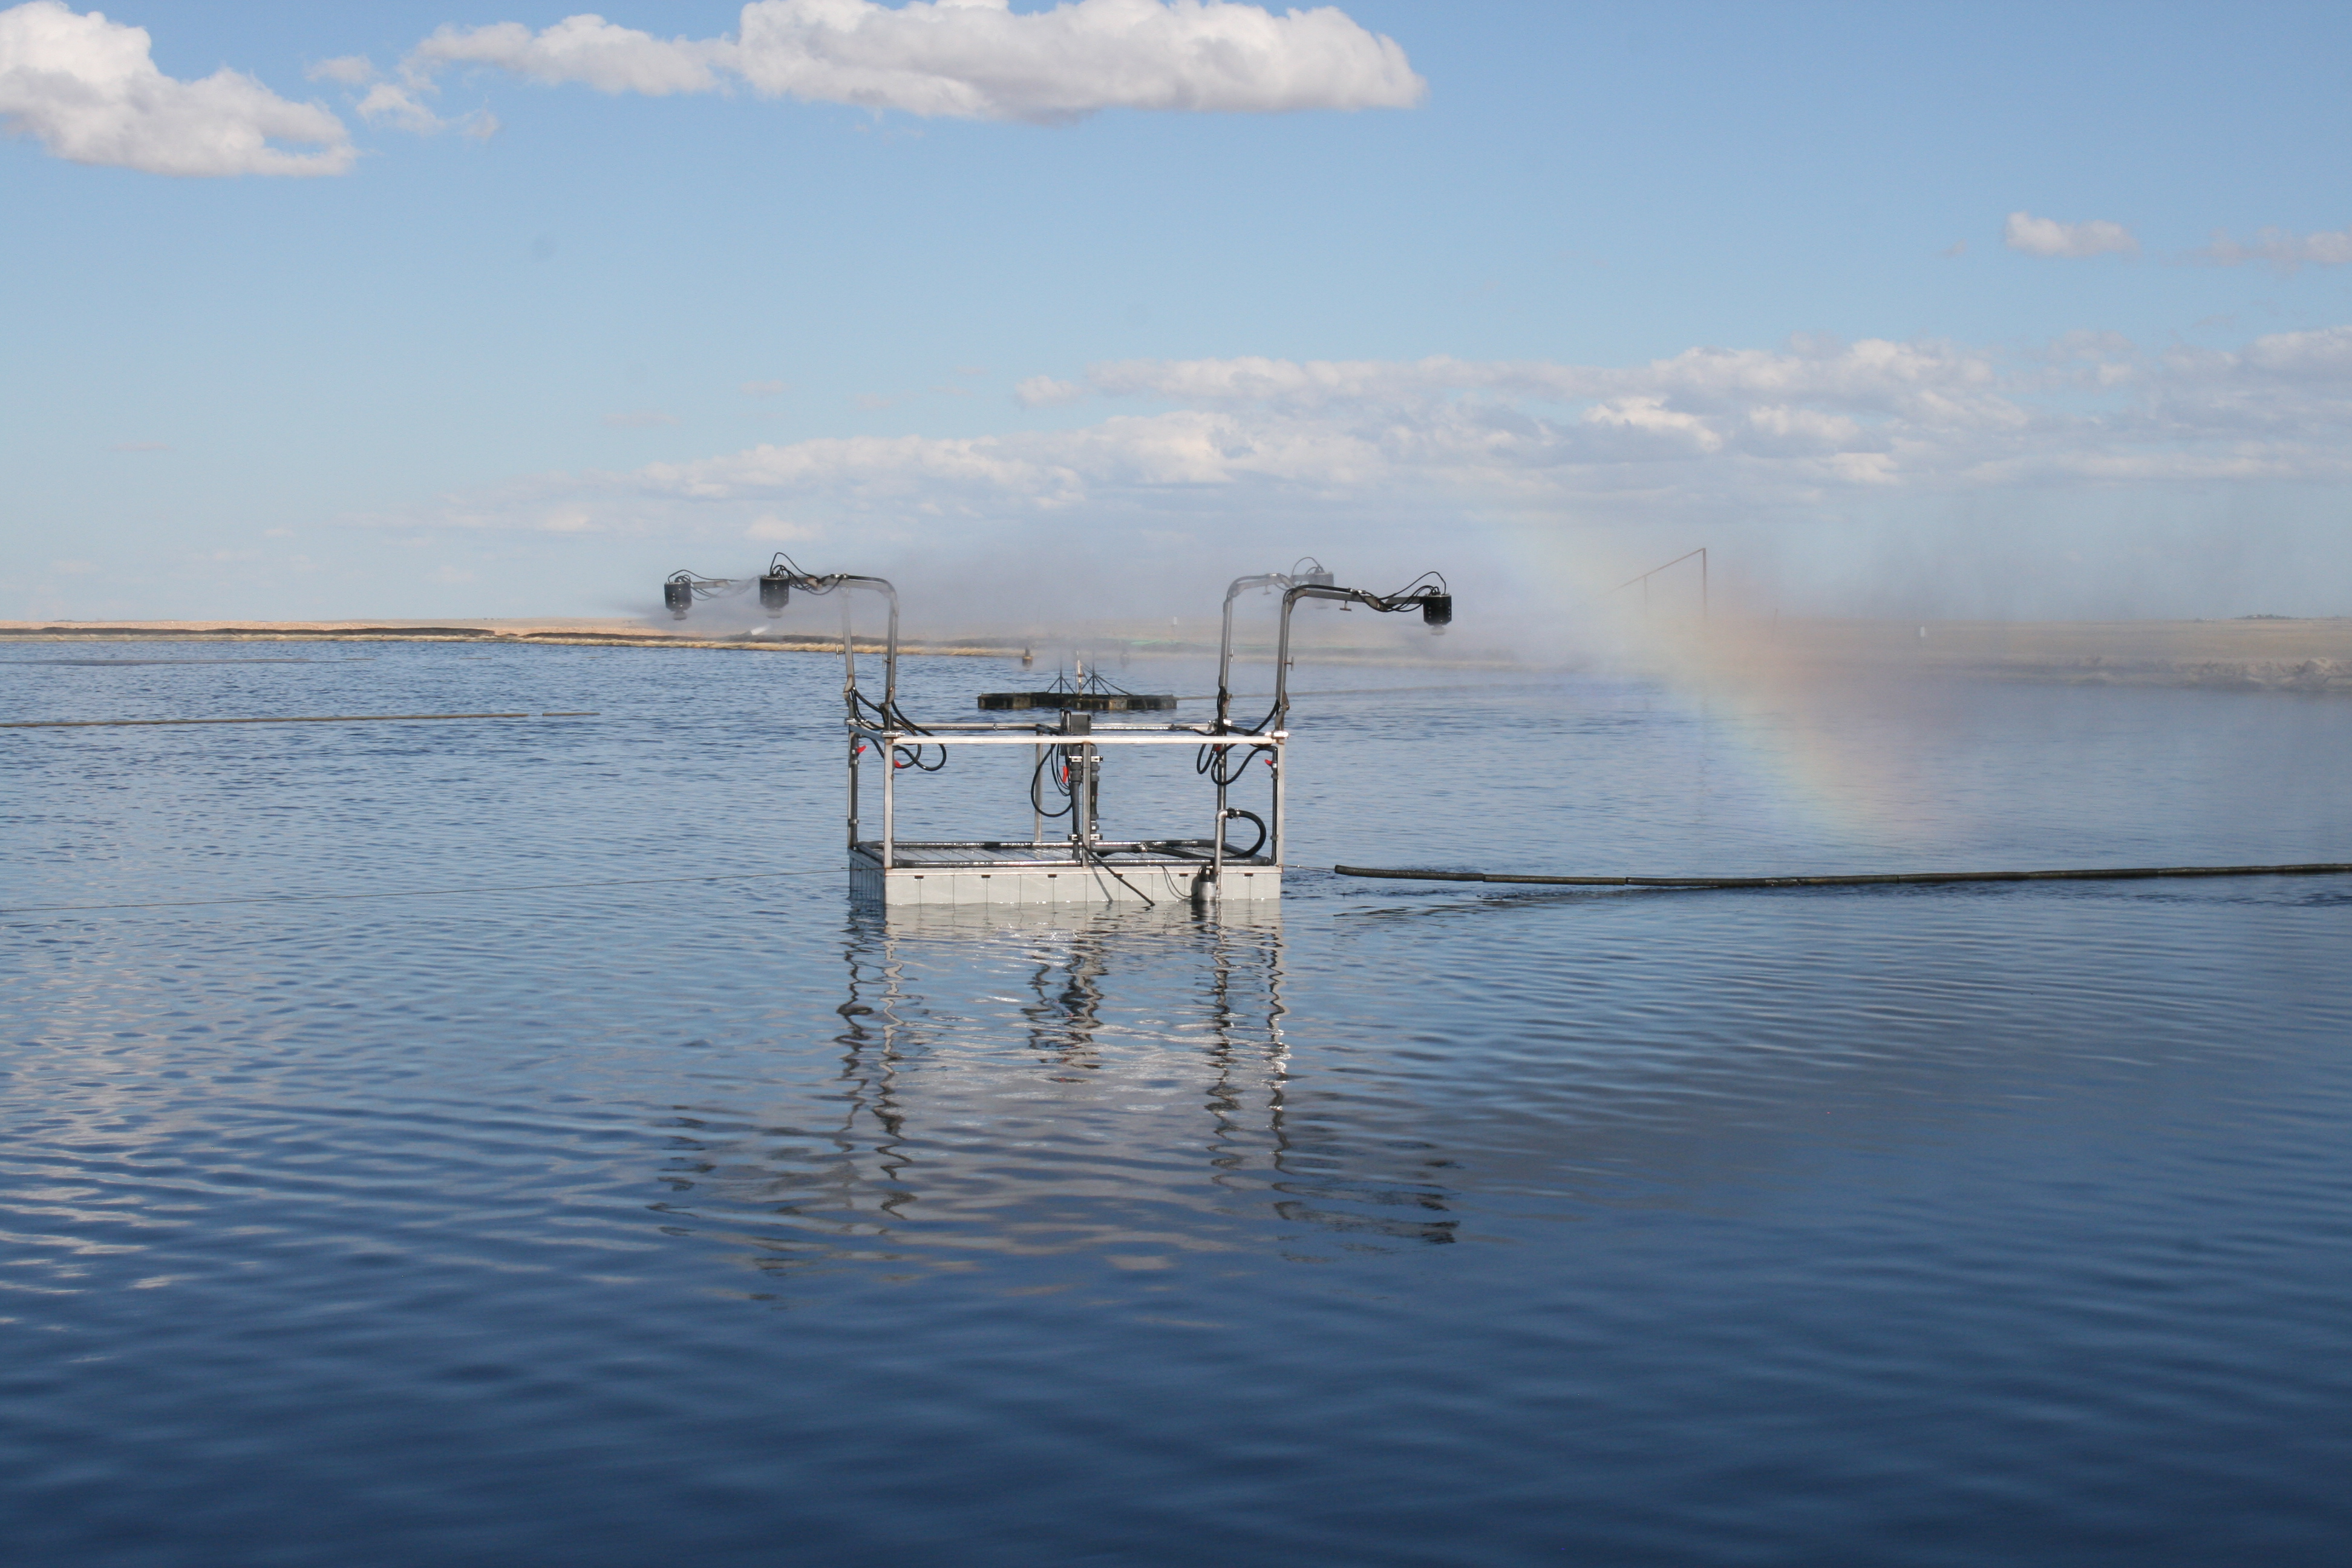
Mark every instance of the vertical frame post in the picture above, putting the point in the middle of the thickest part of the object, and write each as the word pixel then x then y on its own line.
pixel 889 801
pixel 1217 831
pixel 1281 798
pixel 1082 826
pixel 1094 794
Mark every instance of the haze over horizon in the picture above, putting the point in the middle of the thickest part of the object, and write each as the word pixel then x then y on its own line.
pixel 330 310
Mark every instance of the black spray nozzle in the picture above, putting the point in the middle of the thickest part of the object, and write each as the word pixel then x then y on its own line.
pixel 1436 610
pixel 775 591
pixel 678 595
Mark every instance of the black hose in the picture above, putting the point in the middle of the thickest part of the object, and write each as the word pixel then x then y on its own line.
pixel 1214 761
pixel 1864 879
pixel 1037 776
pixel 1244 854
pixel 887 715
pixel 302 719
pixel 1087 853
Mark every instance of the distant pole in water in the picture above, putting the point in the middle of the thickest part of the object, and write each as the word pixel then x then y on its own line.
pixel 1644 580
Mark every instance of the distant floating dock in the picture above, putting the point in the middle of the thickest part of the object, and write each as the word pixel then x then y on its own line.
pixel 1077 702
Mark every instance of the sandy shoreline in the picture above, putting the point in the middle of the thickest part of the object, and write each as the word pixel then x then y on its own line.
pixel 550 632
pixel 2265 655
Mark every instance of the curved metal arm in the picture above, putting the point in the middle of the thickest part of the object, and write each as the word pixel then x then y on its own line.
pixel 1307 570
pixel 1225 642
pixel 683 587
pixel 1433 600
pixel 783 570
pixel 848 647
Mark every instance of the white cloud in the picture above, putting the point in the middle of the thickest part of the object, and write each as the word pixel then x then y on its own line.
pixel 1644 427
pixel 389 102
pixel 975 59
pixel 1798 432
pixel 2048 236
pixel 586 48
pixel 2285 251
pixel 402 103
pixel 351 70
pixel 87 90
pixel 777 531
pixel 1044 392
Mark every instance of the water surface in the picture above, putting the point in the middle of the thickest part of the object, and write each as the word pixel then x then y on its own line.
pixel 501 1143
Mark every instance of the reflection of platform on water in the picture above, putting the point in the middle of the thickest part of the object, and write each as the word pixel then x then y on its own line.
pixel 991 871
pixel 1018 1086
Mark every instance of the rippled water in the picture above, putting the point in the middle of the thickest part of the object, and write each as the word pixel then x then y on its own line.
pixel 499 1143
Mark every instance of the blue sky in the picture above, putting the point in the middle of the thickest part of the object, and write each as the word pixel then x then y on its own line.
pixel 1962 309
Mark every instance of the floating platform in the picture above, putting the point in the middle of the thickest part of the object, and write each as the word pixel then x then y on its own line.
pixel 1078 701
pixel 1158 871
pixel 1067 756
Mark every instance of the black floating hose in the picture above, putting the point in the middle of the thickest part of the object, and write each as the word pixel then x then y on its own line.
pixel 2119 874
pixel 304 719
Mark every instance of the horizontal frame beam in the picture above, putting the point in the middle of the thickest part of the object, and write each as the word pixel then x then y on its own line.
pixel 1100 738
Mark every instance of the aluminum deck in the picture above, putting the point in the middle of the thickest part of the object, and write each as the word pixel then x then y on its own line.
pixel 1012 872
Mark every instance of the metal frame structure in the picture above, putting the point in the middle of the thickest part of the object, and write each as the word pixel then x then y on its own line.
pixel 1083 867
